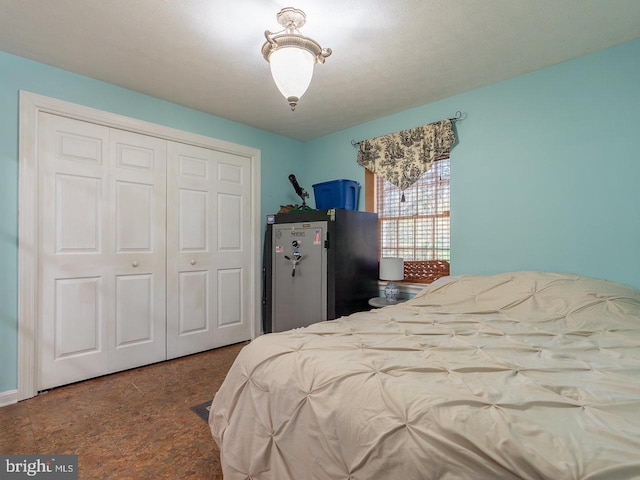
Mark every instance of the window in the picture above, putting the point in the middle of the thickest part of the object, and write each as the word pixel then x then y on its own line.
pixel 418 229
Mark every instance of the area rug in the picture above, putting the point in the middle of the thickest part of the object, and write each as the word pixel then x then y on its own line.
pixel 202 410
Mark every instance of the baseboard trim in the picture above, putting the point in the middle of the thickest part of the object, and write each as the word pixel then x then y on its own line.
pixel 8 398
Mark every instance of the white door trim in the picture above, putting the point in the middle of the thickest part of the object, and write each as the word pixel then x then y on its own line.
pixel 31 105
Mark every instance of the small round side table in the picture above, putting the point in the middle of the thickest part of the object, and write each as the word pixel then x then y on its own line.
pixel 379 302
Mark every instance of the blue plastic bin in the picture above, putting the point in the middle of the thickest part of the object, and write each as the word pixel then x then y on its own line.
pixel 337 194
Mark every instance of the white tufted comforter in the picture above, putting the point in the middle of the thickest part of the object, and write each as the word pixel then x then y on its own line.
pixel 514 376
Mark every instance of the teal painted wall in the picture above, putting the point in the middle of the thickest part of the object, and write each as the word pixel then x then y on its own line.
pixel 278 154
pixel 544 177
pixel 546 174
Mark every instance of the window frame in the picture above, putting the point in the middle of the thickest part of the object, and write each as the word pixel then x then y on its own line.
pixel 417 272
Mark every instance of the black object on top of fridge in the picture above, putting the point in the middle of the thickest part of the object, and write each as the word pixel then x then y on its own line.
pixel 318 265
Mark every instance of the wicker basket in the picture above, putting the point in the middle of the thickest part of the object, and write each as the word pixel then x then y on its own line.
pixel 426 271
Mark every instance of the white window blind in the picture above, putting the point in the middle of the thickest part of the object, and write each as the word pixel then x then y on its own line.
pixel 418 229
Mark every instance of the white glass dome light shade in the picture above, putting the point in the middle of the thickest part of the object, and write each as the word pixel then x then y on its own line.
pixel 292 70
pixel 292 56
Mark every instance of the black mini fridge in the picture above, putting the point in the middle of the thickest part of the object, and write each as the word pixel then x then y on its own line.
pixel 318 265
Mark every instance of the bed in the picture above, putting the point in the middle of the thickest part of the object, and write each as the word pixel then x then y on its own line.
pixel 525 375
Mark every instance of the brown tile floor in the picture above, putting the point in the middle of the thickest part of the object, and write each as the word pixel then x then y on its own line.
pixel 130 425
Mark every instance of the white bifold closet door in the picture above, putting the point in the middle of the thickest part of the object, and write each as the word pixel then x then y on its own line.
pixel 102 250
pixel 139 260
pixel 208 256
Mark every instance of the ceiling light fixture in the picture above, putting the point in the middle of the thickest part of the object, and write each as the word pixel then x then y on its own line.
pixel 292 56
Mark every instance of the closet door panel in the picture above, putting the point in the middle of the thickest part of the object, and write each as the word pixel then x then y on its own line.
pixel 77 324
pixel 138 228
pixel 230 228
pixel 232 247
pixel 134 217
pixel 74 283
pixel 230 284
pixel 194 303
pixel 208 198
pixel 193 211
pixel 134 313
pixel 78 213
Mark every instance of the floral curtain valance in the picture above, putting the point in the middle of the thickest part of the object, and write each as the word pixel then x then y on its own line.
pixel 402 157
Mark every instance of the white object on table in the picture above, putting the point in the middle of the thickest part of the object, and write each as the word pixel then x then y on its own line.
pixel 392 269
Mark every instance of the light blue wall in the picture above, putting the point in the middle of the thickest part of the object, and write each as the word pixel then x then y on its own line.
pixel 546 174
pixel 278 155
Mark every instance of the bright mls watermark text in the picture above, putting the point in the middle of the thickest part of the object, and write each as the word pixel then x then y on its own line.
pixel 50 467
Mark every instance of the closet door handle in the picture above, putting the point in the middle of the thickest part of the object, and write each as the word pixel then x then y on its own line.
pixel 193 261
pixel 134 264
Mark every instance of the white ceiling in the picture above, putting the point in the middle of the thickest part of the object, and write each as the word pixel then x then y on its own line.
pixel 388 55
